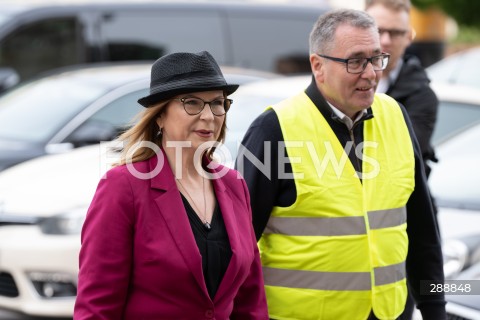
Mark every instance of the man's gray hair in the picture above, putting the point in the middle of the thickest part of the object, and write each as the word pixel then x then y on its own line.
pixel 395 5
pixel 323 32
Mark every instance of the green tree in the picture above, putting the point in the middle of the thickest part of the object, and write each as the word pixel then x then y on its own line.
pixel 465 12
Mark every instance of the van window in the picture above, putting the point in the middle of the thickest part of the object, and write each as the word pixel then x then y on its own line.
pixel 146 35
pixel 43 45
pixel 285 37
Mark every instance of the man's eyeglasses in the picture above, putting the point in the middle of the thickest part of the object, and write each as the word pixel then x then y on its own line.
pixel 393 33
pixel 194 106
pixel 358 65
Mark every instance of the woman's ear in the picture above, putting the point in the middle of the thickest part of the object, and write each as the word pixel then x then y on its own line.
pixel 159 122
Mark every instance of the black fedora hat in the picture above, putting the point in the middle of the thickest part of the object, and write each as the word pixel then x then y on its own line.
pixel 184 72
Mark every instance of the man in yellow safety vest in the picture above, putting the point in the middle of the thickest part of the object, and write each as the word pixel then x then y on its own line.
pixel 345 180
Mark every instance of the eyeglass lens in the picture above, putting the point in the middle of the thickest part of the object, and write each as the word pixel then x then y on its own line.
pixel 194 106
pixel 358 65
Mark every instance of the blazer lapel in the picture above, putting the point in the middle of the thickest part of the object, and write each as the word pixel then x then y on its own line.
pixel 173 212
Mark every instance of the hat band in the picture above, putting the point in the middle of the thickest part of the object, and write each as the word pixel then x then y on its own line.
pixel 188 78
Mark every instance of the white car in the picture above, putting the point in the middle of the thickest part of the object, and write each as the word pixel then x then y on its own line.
pixel 42 209
pixel 43 204
pixel 460 68
pixel 455 183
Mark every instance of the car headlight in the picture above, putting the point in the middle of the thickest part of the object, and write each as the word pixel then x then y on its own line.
pixel 65 223
pixel 455 256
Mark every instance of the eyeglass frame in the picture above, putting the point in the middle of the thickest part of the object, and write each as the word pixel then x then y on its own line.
pixel 182 100
pixel 367 60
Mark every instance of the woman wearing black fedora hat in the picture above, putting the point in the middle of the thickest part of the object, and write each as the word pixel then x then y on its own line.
pixel 168 234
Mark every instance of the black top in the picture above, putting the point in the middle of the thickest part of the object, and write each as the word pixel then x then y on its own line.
pixel 412 90
pixel 424 260
pixel 213 245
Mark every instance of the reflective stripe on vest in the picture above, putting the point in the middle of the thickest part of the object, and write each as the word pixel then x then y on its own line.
pixel 343 241
pixel 333 280
pixel 302 226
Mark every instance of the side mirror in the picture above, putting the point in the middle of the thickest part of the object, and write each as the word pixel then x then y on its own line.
pixel 92 132
pixel 8 78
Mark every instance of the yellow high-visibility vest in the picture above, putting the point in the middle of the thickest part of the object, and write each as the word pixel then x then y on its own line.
pixel 339 251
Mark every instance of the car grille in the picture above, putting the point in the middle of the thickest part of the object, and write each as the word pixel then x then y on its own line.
pixel 455 317
pixel 8 288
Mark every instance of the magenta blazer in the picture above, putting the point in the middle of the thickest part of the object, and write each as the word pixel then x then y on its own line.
pixel 139 259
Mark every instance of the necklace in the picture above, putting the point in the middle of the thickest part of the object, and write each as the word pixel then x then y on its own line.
pixel 206 224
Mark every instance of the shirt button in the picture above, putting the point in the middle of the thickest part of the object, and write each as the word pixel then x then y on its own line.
pixel 209 313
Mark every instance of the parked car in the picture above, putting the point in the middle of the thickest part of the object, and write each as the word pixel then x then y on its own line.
pixel 265 36
pixel 466 305
pixel 459 108
pixel 455 184
pixel 77 107
pixel 459 68
pixel 43 204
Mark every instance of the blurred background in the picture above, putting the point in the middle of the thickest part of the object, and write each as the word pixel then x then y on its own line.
pixel 72 70
pixel 442 27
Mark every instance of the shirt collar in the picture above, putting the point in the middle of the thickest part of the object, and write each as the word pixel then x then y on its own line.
pixel 386 82
pixel 346 119
pixel 327 110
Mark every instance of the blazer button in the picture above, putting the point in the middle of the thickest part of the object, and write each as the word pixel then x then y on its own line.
pixel 209 313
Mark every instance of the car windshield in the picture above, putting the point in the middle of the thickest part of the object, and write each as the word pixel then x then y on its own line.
pixel 460 68
pixel 455 180
pixel 453 117
pixel 35 111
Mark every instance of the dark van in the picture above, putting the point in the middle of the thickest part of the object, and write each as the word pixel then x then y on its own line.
pixel 36 36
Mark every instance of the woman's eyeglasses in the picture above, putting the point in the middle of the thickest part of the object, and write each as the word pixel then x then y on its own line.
pixel 194 106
